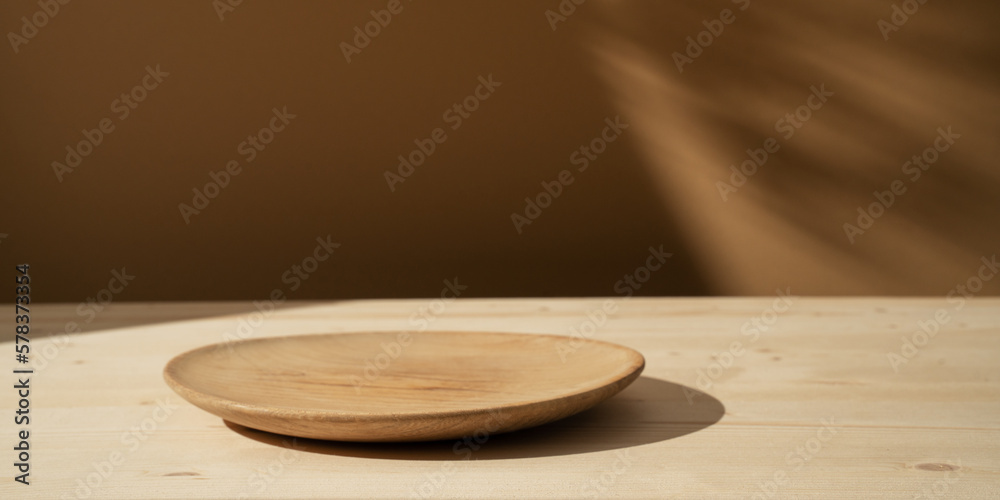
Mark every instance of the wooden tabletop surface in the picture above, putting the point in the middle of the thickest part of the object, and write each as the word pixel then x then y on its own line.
pixel 773 397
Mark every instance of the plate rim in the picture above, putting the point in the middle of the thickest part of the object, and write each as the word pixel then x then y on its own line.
pixel 626 377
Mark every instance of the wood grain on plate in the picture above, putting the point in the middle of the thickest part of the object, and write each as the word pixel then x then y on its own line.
pixel 386 386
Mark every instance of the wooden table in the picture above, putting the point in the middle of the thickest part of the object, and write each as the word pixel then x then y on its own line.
pixel 740 398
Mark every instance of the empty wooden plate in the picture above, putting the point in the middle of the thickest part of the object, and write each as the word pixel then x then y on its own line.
pixel 390 386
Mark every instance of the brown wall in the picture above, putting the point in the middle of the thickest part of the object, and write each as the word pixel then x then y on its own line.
pixel 656 184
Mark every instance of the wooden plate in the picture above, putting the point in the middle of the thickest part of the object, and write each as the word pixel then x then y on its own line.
pixel 390 386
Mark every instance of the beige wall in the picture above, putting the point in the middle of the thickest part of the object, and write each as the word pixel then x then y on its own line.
pixel 655 184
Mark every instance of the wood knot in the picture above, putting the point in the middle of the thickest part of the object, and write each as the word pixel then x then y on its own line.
pixel 937 467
